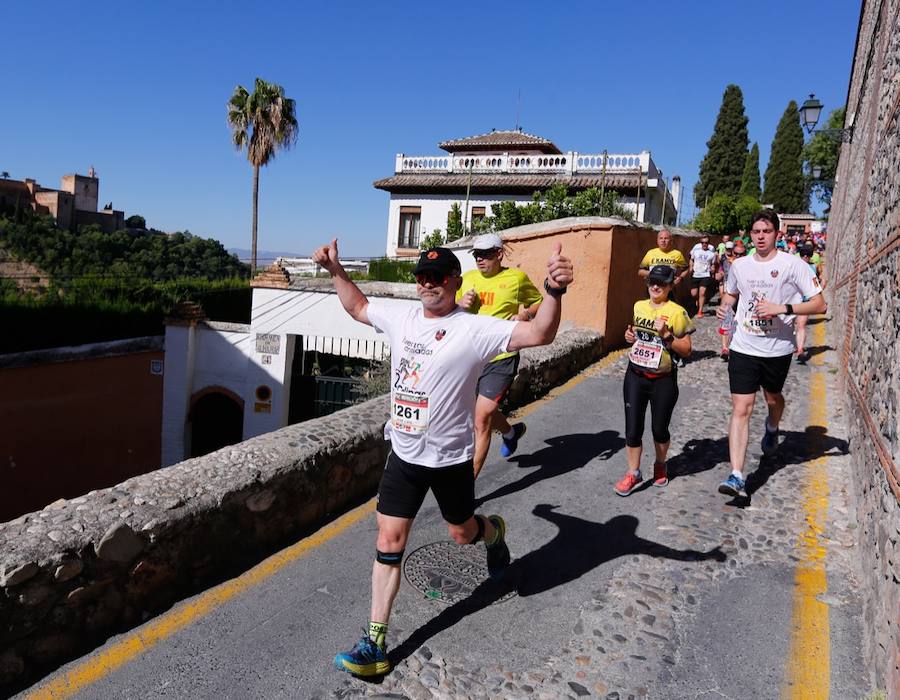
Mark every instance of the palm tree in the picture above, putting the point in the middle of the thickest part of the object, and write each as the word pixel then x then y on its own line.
pixel 262 122
pixel 5 175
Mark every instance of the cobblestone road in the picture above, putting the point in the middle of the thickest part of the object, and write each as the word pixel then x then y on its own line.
pixel 663 628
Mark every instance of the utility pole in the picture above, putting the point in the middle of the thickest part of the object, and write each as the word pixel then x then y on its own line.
pixel 468 189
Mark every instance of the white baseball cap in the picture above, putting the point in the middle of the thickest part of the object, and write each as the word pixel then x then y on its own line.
pixel 487 241
pixel 729 244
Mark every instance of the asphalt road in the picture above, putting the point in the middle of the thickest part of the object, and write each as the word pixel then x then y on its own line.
pixel 571 537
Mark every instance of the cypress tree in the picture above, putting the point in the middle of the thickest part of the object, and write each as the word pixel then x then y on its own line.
pixel 750 180
pixel 785 185
pixel 723 165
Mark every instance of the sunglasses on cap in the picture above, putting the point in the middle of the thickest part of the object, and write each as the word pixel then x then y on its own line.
pixel 485 254
pixel 435 279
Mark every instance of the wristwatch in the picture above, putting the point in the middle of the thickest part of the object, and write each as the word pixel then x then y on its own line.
pixel 788 309
pixel 552 291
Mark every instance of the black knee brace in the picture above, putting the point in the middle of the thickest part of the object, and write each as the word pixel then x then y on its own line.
pixel 389 558
pixel 480 533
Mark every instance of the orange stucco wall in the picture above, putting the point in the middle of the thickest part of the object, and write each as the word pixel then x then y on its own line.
pixel 70 427
pixel 606 258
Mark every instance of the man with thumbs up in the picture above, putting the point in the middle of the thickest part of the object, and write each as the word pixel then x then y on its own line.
pixel 431 426
pixel 501 292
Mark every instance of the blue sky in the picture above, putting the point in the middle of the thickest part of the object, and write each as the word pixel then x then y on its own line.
pixel 139 91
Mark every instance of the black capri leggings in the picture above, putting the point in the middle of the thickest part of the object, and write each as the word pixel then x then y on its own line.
pixel 662 395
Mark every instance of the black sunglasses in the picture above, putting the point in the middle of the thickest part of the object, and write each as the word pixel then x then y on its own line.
pixel 435 279
pixel 485 254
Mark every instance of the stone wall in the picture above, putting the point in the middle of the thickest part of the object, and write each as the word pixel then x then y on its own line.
pixel 863 275
pixel 80 570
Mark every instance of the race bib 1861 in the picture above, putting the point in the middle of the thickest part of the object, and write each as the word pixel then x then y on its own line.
pixel 645 353
pixel 409 412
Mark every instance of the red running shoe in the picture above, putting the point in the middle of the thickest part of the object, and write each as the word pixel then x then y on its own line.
pixel 628 483
pixel 660 477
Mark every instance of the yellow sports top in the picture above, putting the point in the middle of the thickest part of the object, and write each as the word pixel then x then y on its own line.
pixel 500 295
pixel 673 258
pixel 676 317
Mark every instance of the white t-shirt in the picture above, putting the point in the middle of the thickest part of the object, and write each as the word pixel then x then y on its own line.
pixel 435 365
pixel 785 279
pixel 703 260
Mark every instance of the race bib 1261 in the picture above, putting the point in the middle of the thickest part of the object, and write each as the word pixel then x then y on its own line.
pixel 409 412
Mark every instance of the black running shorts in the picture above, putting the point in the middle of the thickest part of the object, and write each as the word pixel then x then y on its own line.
pixel 708 282
pixel 404 486
pixel 497 377
pixel 746 373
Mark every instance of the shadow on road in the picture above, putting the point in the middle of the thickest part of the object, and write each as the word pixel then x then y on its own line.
pixel 796 448
pixel 563 454
pixel 578 547
pixel 698 455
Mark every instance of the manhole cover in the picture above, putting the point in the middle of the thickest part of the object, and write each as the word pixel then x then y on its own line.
pixel 449 572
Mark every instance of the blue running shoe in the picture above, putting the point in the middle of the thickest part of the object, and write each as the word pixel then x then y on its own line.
pixel 769 443
pixel 733 486
pixel 497 553
pixel 509 446
pixel 365 659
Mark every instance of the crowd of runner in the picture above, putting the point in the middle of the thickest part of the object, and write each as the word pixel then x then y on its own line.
pixel 465 337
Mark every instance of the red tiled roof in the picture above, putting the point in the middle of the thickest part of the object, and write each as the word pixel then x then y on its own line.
pixel 452 183
pixel 499 141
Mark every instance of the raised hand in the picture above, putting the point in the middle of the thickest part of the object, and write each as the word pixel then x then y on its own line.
pixel 560 272
pixel 327 257
pixel 468 300
pixel 629 334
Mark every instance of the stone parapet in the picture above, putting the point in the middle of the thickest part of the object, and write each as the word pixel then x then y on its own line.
pixel 82 569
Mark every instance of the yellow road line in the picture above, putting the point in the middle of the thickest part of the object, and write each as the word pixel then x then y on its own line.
pixel 809 656
pixel 96 667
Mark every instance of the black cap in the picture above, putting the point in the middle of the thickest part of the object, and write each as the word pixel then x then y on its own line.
pixel 439 260
pixel 806 250
pixel 664 274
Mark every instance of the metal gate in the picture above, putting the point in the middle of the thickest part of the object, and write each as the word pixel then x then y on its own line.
pixel 333 394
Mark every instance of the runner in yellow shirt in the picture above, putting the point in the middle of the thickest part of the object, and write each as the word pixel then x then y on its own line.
pixel 664 254
pixel 502 292
pixel 660 329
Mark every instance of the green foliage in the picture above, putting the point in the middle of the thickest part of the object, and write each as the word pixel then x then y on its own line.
pixel 388 270
pixel 785 184
pixel 553 204
pixel 722 168
pixel 262 123
pixel 96 309
pixel 823 151
pixel 135 221
pixel 726 214
pixel 152 255
pixel 433 240
pixel 750 180
pixel 455 228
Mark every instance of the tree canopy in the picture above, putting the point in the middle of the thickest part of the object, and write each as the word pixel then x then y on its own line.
pixel 262 123
pixel 823 151
pixel 750 180
pixel 726 214
pixel 786 188
pixel 722 168
pixel 152 255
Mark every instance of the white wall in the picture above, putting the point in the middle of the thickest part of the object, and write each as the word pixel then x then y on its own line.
pixel 197 357
pixel 435 209
pixel 285 313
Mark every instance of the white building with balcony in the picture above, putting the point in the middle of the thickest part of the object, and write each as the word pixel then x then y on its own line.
pixel 479 171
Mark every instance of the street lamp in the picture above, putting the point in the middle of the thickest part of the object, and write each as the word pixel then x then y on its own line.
pixel 816 171
pixel 810 111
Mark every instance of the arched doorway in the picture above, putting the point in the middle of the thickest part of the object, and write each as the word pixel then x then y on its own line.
pixel 217 420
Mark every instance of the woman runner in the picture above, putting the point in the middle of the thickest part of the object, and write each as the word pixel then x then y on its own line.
pixel 658 328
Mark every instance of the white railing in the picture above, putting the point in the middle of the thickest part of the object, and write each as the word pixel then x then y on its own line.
pixel 571 162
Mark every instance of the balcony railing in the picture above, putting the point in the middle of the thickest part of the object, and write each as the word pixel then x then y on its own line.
pixel 571 163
